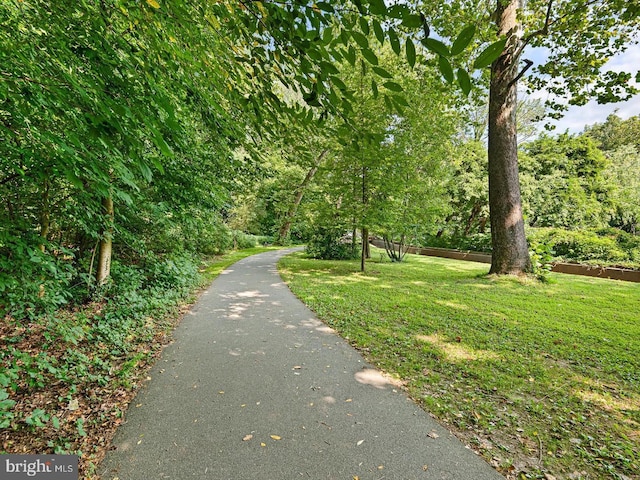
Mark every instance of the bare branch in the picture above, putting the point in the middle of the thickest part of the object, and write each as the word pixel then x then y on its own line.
pixel 528 65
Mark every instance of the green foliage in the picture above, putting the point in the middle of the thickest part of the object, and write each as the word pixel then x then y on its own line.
pixel 31 281
pixel 329 244
pixel 561 172
pixel 605 246
pixel 477 242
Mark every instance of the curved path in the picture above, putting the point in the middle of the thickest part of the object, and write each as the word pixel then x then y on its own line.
pixel 254 386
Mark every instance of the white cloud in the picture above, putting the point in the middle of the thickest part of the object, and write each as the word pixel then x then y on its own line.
pixel 576 118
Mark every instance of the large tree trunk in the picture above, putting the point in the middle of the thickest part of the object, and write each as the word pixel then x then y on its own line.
pixel 106 243
pixel 286 226
pixel 510 249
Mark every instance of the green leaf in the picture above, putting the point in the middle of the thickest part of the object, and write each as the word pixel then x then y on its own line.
pixel 325 7
pixel 364 25
pixel 377 30
pixel 394 40
pixel 374 88
pixel 445 69
pixel 338 83
pixel 388 103
pixel 360 39
pixel 464 81
pixel 393 86
pixel 490 54
pixel 411 20
pixel 398 11
pixel 411 52
pixel 400 100
pixel 377 7
pixel 382 72
pixel 463 40
pixel 370 56
pixel 350 55
pixel 327 67
pixel 436 46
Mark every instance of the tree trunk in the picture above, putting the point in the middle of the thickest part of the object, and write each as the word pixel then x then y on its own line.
pixel 286 226
pixel 365 248
pixel 510 249
pixel 45 216
pixel 106 243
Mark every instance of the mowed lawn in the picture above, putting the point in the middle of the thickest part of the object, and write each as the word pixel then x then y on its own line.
pixel 541 378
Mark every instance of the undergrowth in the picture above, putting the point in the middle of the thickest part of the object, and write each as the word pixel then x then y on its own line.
pixel 67 376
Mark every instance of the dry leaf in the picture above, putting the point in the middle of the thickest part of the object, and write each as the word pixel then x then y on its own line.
pixel 425 468
pixel 246 438
pixel 348 400
pixel 275 437
pixel 433 434
pixel 262 444
pixel 380 467
pixel 297 367
pixel 360 442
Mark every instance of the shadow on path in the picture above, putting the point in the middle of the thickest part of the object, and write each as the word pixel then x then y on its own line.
pixel 255 387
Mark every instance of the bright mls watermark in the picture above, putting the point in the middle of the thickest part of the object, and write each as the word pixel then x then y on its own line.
pixel 38 467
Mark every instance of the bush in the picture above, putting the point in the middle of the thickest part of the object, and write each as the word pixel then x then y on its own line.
pixel 607 246
pixel 479 242
pixel 243 240
pixel 326 244
pixel 33 282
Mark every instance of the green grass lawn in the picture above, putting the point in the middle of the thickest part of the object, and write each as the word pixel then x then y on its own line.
pixel 540 378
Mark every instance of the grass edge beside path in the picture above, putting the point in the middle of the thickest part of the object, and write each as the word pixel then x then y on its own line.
pixel 542 379
pixel 70 383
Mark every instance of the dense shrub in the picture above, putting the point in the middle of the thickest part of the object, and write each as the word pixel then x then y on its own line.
pixel 243 240
pixel 33 282
pixel 608 246
pixel 479 242
pixel 326 244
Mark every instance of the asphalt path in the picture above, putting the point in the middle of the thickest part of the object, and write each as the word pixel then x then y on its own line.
pixel 254 386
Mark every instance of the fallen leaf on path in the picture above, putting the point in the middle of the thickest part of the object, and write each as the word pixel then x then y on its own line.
pixel 246 438
pixel 433 434
pixel 360 442
pixel 275 437
pixel 262 444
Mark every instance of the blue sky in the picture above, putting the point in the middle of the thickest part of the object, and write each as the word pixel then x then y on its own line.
pixel 576 118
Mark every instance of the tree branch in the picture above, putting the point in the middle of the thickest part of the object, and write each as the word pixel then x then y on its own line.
pixel 528 65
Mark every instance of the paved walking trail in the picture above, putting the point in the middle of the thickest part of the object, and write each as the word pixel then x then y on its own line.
pixel 255 387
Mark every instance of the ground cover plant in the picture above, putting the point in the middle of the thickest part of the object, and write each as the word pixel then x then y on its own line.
pixel 66 378
pixel 541 378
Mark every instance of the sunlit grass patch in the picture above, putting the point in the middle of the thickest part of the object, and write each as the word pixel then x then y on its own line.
pixel 541 378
